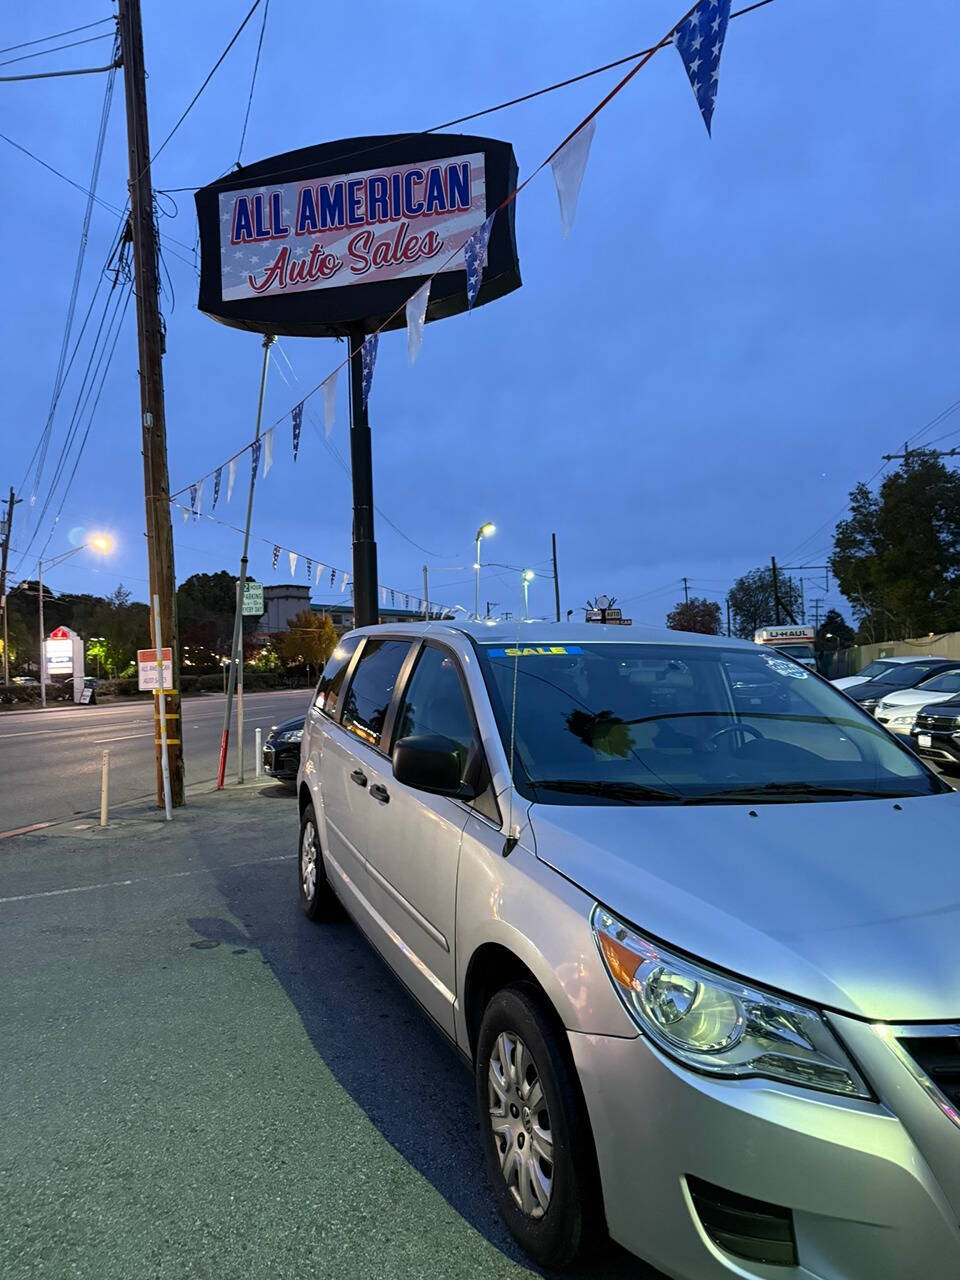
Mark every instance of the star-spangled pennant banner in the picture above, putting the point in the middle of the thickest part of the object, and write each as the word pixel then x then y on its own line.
pixel 368 358
pixel 309 570
pixel 255 458
pixel 276 557
pixel 475 258
pixel 292 555
pixel 416 311
pixel 193 499
pixel 297 416
pixel 406 602
pixel 329 402
pixel 216 487
pixel 699 42
pixel 568 166
pixel 268 451
pixel 231 476
pixel 333 576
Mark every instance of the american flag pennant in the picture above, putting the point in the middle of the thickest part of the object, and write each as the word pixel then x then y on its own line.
pixel 193 499
pixel 268 451
pixel 368 358
pixel 699 42
pixel 333 576
pixel 297 416
pixel 568 166
pixel 216 487
pixel 309 570
pixel 475 258
pixel 255 449
pixel 406 602
pixel 318 573
pixel 231 476
pixel 393 600
pixel 329 402
pixel 276 557
pixel 416 311
pixel 292 555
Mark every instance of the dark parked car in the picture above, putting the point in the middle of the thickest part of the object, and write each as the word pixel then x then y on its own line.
pixel 281 751
pixel 936 734
pixel 906 676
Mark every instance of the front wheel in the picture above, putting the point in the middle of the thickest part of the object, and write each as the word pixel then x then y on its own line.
pixel 316 897
pixel 536 1136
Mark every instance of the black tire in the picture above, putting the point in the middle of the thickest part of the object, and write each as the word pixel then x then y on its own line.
pixel 318 903
pixel 572 1220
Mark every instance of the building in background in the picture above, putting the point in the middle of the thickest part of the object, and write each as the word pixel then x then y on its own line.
pixel 284 602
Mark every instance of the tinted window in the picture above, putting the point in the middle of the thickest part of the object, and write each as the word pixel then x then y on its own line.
pixel 435 703
pixel 948 682
pixel 874 669
pixel 331 682
pixel 371 689
pixel 906 675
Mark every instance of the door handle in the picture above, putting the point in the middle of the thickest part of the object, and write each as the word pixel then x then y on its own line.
pixel 380 793
pixel 359 777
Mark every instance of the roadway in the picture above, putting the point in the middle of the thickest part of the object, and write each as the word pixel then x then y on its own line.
pixel 50 760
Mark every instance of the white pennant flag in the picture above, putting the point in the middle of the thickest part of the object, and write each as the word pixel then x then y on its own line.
pixel 568 166
pixel 231 476
pixel 196 514
pixel 319 571
pixel 186 512
pixel 268 451
pixel 329 403
pixel 416 319
pixel 293 562
pixel 383 596
pixel 343 581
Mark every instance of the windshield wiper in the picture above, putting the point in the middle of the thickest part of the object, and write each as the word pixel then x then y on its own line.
pixel 788 790
pixel 628 792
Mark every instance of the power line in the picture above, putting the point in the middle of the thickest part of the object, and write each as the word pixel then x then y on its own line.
pixel 11 48
pixel 56 49
pixel 253 81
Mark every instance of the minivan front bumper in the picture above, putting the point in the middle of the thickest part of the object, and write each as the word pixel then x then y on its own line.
pixel 868 1185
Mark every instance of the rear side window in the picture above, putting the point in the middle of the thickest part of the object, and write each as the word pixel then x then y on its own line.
pixel 371 689
pixel 331 682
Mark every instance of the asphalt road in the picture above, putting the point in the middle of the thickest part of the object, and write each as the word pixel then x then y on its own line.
pixel 50 760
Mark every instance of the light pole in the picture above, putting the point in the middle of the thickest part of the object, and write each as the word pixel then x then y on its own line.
pixel 101 542
pixel 484 531
pixel 528 577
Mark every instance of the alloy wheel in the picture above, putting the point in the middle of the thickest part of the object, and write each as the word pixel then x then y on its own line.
pixel 308 860
pixel 521 1124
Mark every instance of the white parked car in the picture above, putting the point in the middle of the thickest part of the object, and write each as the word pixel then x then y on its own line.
pixel 875 668
pixel 898 711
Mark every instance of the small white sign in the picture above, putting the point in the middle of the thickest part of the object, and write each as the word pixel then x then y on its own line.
pixel 147 670
pixel 253 600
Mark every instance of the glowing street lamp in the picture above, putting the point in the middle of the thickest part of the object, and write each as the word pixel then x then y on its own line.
pixel 484 531
pixel 99 542
pixel 528 577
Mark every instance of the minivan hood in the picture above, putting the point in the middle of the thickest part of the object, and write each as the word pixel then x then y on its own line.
pixel 851 905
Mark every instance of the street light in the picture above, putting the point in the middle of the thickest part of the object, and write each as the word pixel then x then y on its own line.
pixel 484 531
pixel 99 542
pixel 528 577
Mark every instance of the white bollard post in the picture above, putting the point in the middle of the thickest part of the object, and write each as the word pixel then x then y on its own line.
pixel 257 748
pixel 104 788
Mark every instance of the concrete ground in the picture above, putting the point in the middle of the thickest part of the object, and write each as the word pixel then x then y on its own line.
pixel 196 1081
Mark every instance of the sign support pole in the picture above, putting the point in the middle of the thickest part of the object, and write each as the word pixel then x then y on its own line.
pixel 361 468
pixel 237 646
pixel 161 696
pixel 43 639
pixel 240 690
pixel 12 501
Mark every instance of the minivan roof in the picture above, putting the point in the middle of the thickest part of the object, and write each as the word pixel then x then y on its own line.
pixel 553 633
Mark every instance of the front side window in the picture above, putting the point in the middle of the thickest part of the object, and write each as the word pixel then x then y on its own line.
pixel 434 703
pixel 331 681
pixel 948 682
pixel 633 723
pixel 371 688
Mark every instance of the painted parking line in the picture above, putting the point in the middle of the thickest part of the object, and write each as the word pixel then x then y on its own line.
pixel 122 884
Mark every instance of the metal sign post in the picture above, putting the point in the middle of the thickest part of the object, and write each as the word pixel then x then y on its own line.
pixel 161 696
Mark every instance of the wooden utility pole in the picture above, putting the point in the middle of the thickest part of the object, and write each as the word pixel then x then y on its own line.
pixel 5 531
pixel 143 232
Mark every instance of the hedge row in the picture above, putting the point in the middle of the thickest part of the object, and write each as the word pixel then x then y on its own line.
pixel 30 693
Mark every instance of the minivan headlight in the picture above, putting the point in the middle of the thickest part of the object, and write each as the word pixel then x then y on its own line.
pixel 717 1024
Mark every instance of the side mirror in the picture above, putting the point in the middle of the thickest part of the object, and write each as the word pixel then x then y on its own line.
pixel 429 762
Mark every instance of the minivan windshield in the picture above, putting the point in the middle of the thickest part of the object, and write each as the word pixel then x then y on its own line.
pixel 633 723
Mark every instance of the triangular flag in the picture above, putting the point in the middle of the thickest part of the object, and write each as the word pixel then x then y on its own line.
pixel 475 257
pixel 268 451
pixel 276 557
pixel 309 569
pixel 216 487
pixel 343 581
pixel 297 416
pixel 368 358
pixel 699 42
pixel 318 573
pixel 416 319
pixel 333 576
pixel 231 476
pixel 383 595
pixel 255 449
pixel 568 166
pixel 193 499
pixel 196 514
pixel 392 596
pixel 293 562
pixel 186 513
pixel 329 402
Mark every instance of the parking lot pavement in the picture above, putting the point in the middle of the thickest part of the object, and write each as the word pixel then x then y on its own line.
pixel 199 1082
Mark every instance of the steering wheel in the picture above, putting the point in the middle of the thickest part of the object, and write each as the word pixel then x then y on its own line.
pixel 715 738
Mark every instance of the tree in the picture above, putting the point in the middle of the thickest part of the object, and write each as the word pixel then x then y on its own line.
pixel 696 614
pixel 308 641
pixel 123 626
pixel 833 629
pixel 896 556
pixel 206 608
pixel 22 643
pixel 753 603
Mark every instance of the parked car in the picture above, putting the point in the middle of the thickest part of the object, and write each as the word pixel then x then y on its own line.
pixel 906 676
pixel 897 711
pixel 25 680
pixel 871 670
pixel 281 751
pixel 936 734
pixel 708 1006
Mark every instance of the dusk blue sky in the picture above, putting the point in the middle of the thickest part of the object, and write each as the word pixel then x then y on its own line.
pixel 733 334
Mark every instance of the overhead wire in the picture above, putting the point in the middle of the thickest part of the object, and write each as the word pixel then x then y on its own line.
pixel 41 53
pixel 57 35
pixel 253 81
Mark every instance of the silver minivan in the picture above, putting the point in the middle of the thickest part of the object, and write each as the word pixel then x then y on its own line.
pixel 690 915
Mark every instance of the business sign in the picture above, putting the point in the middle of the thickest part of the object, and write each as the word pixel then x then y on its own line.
pixel 147 670
pixel 58 650
pixel 308 243
pixel 253 599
